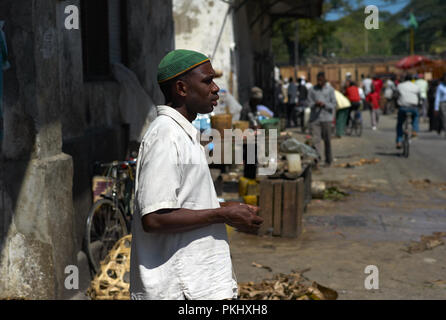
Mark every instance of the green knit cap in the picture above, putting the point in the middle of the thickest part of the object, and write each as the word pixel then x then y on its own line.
pixel 178 62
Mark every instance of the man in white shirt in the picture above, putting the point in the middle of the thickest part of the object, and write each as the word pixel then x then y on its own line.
pixel 389 94
pixel 367 85
pixel 180 247
pixel 408 102
pixel 423 85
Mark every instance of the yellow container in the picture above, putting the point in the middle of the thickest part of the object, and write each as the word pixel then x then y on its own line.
pixel 251 199
pixel 242 125
pixel 243 185
pixel 229 230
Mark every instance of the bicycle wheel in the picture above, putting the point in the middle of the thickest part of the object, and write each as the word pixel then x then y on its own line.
pixel 105 226
pixel 406 145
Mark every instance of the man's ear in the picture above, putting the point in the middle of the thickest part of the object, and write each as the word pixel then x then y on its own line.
pixel 181 87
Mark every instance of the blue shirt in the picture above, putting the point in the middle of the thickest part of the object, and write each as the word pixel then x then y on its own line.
pixel 440 96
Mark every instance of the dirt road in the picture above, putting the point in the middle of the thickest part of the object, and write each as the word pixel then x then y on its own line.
pixel 390 204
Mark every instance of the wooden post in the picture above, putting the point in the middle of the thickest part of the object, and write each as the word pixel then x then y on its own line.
pixel 289 217
pixel 277 212
pixel 266 206
pixel 300 204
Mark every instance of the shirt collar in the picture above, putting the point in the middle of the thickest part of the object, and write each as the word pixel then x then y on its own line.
pixel 181 120
pixel 318 87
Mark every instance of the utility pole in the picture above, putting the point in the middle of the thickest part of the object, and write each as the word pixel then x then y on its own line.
pixel 366 41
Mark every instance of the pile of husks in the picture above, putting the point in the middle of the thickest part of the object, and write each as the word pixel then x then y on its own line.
pixel 111 282
pixel 285 287
pixel 359 163
pixel 427 242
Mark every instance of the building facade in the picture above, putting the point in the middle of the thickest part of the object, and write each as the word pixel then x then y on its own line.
pixel 63 110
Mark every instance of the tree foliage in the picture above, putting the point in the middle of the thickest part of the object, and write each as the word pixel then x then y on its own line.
pixel 347 37
pixel 430 36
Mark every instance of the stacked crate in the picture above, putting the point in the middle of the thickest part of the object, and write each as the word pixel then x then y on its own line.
pixel 282 205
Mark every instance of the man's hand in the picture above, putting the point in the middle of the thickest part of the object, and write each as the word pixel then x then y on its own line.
pixel 242 217
pixel 320 104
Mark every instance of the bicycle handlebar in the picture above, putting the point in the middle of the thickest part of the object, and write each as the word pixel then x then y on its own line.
pixel 118 164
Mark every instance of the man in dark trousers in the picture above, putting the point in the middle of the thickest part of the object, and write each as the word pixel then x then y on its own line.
pixel 292 103
pixel 322 101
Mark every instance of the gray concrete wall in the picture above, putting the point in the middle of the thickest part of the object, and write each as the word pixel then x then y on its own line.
pixel 36 238
pixel 151 37
pixel 253 50
pixel 244 54
pixel 56 126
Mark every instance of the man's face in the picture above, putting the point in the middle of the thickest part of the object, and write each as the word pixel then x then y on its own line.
pixel 202 92
pixel 321 81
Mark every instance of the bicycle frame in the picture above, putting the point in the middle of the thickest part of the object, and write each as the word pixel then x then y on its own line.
pixel 407 126
pixel 115 170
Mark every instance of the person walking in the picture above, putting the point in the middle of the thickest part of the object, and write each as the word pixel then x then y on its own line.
pixel 377 86
pixel 440 103
pixel 424 87
pixel 367 85
pixel 352 93
pixel 301 104
pixel 292 102
pixel 433 115
pixel 180 248
pixel 408 102
pixel 342 110
pixel 373 99
pixel 389 95
pixel 322 101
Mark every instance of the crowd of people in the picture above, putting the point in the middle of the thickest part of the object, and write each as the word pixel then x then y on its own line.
pixel 327 109
pixel 409 93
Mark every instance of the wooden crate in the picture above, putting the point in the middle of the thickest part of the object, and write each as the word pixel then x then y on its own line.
pixel 282 204
pixel 307 175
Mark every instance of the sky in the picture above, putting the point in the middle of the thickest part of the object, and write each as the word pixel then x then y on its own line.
pixel 382 5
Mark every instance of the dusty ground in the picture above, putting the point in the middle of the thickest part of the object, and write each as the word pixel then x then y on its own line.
pixel 390 204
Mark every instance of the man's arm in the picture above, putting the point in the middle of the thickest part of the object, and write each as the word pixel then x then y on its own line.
pixel 241 216
pixel 311 99
pixel 331 103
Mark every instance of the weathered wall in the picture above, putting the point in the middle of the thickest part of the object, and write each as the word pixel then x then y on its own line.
pixel 244 54
pixel 93 126
pixel 197 26
pixel 45 193
pixel 254 51
pixel 36 239
pixel 151 37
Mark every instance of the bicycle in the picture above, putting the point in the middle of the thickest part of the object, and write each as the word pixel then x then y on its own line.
pixel 355 124
pixel 109 218
pixel 407 134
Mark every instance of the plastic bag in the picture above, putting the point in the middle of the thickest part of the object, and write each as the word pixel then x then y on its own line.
pixel 291 145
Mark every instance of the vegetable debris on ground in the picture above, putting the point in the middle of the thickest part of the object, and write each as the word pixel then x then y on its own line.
pixel 291 286
pixel 357 163
pixel 333 193
pixel 427 242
